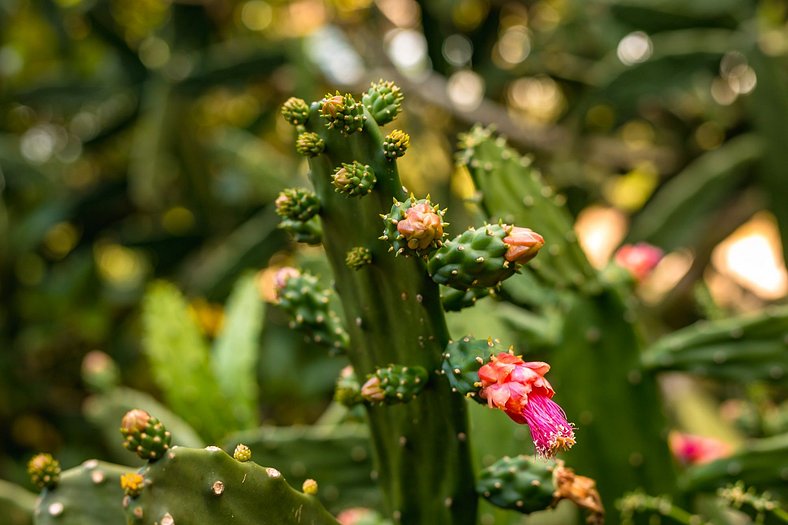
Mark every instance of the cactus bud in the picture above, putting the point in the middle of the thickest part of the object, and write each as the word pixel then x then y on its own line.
pixel 690 449
pixel 242 453
pixel 295 111
pixel 354 179
pixel 394 384
pixel 281 277
pixel 44 471
pixel 358 257
pixel 297 204
pixel 144 435
pixel 309 232
pixel 422 226
pixel 638 259
pixel 384 101
pixel 309 487
pixel 310 144
pixel 343 113
pixel 347 390
pixel 523 244
pixel 396 144
pixel 132 484
pixel 99 371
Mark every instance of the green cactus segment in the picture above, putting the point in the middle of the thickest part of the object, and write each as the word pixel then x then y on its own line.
pixel 454 300
pixel 473 259
pixel 297 204
pixel 44 470
pixel 309 144
pixel 425 227
pixel 522 483
pixel 756 506
pixel 396 144
pixel 394 315
pixel 309 307
pixel 512 190
pixel 598 341
pixel 337 457
pixel 16 504
pixel 394 384
pixel 383 101
pixel 762 464
pixel 308 232
pixel 89 494
pixel 144 435
pixel 343 113
pixel 192 486
pixel 462 361
pixel 295 111
pixel 353 179
pixel 348 390
pixel 358 257
pixel 746 349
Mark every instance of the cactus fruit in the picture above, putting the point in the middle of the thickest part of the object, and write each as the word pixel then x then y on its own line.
pixel 527 484
pixel 297 204
pixel 462 360
pixel 483 257
pixel 353 179
pixel 309 144
pixel 308 304
pixel 295 111
pixel 144 435
pixel 242 453
pixel 383 101
pixel 192 486
pixel 358 257
pixel 44 470
pixel 343 113
pixel 396 144
pixel 394 384
pixel 89 494
pixel 414 227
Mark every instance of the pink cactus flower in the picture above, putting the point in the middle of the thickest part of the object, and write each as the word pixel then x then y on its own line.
pixel 691 449
pixel 524 244
pixel 354 515
pixel 520 389
pixel 421 226
pixel 639 259
pixel 282 276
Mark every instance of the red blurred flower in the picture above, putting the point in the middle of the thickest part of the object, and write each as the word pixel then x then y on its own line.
pixel 690 449
pixel 520 389
pixel 639 259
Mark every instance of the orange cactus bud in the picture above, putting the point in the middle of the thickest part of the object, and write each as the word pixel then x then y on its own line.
pixel 421 226
pixel 523 243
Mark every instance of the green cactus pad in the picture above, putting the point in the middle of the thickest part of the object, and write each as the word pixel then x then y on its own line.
pixel 521 483
pixel 394 384
pixel 89 494
pixel 44 470
pixel 353 179
pixel 473 259
pixel 309 144
pixel 295 111
pixel 308 232
pixel 16 504
pixel 454 300
pixel 396 144
pixel 398 242
pixel 343 113
pixel 384 101
pixel 297 204
pixel 462 361
pixel 144 435
pixel 193 486
pixel 308 304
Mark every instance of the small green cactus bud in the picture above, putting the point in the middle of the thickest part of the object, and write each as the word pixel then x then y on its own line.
pixel 414 227
pixel 354 179
pixel 308 232
pixel 396 144
pixel 309 487
pixel 343 113
pixel 384 101
pixel 358 257
pixel 44 471
pixel 295 111
pixel 348 390
pixel 310 144
pixel 242 453
pixel 461 362
pixel 132 484
pixel 394 384
pixel 297 204
pixel 144 435
pixel 99 371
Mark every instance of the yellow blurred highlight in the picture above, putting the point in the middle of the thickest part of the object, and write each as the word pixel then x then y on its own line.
pixel 538 99
pixel 208 316
pixel 546 15
pixel 601 117
pixel 30 269
pixel 177 220
pixel 428 162
pixel 303 17
pixel 513 46
pixel 752 257
pixel 401 13
pixel 61 239
pixel 68 3
pixel 120 266
pixel 600 230
pixel 468 14
pixel 709 135
pixel 630 191
pixel 462 183
pixel 665 276
pixel 637 134
pixel 256 15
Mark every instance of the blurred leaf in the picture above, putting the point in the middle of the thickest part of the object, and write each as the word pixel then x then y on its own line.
pixel 16 504
pixel 235 350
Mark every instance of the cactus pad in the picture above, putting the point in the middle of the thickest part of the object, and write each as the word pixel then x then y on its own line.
pixel 396 144
pixel 522 483
pixel 358 257
pixel 462 361
pixel 297 204
pixel 353 179
pixel 384 101
pixel 308 232
pixel 394 384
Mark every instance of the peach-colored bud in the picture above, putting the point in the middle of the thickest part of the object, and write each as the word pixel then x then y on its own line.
pixel 354 515
pixel 134 421
pixel 523 243
pixel 371 390
pixel 333 105
pixel 421 226
pixel 639 259
pixel 690 449
pixel 282 276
